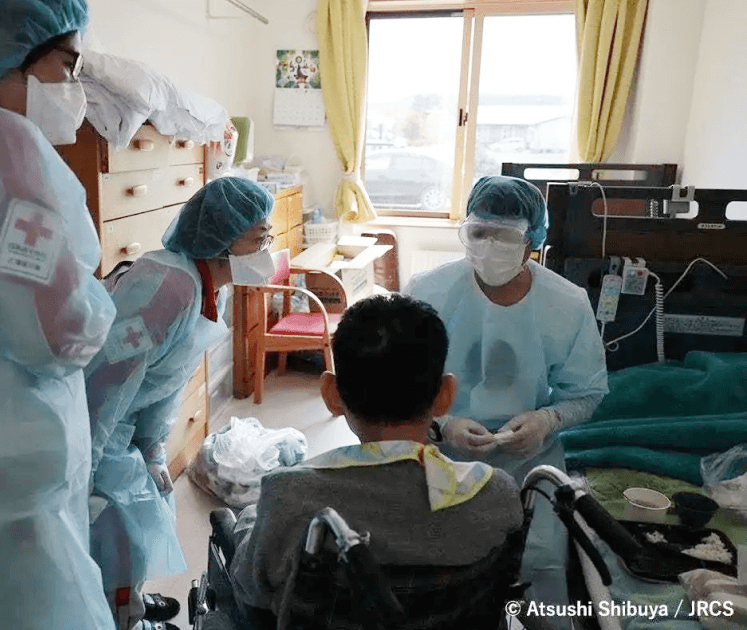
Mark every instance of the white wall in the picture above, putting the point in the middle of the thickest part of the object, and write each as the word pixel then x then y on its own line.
pixel 288 30
pixel 231 60
pixel 213 57
pixel 659 106
pixel 716 146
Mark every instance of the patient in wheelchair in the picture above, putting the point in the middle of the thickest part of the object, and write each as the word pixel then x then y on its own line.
pixel 421 508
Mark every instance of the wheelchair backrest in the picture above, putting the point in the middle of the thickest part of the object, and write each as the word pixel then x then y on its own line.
pixel 432 597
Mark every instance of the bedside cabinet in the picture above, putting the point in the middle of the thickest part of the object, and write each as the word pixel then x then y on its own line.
pixel 133 195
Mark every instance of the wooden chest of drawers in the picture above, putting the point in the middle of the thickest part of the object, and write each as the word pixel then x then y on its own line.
pixel 133 195
pixel 287 228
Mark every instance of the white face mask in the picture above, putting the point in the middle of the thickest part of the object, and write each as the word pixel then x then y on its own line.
pixel 496 262
pixel 248 269
pixel 58 109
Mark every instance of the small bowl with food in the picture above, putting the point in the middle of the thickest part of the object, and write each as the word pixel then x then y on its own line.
pixel 645 505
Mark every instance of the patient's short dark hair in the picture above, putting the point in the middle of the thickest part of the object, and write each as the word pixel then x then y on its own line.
pixel 389 353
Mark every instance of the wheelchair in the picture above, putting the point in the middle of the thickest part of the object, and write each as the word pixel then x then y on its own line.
pixel 347 589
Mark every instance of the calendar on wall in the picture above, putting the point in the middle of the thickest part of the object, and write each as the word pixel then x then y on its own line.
pixel 298 89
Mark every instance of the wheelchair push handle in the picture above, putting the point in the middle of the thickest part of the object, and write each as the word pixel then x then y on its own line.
pixel 570 497
pixel 365 575
pixel 578 534
pixel 610 531
pixel 374 591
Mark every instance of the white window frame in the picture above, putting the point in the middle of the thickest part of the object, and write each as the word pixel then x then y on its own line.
pixel 474 12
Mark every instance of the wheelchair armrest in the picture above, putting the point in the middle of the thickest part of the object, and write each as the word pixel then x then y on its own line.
pixel 223 521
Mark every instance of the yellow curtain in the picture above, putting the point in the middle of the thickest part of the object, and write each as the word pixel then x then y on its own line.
pixel 341 28
pixel 609 34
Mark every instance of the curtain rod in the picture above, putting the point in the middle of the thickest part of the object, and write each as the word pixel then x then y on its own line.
pixel 240 5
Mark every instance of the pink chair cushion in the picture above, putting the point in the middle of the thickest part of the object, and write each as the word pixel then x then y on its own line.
pixel 304 324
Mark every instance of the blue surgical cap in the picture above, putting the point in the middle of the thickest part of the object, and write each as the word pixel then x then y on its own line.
pixel 26 24
pixel 217 215
pixel 511 198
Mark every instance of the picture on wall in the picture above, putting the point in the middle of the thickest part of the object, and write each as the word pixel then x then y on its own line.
pixel 298 69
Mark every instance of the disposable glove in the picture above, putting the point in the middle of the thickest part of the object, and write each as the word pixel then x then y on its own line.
pixel 468 435
pixel 161 476
pixel 529 431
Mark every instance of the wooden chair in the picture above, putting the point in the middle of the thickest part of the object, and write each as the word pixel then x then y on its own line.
pixel 295 332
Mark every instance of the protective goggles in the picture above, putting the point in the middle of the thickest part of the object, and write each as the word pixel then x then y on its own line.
pixel 474 231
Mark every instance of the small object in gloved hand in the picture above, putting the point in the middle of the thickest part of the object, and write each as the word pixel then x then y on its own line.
pixel 156 625
pixel 160 608
pixel 503 436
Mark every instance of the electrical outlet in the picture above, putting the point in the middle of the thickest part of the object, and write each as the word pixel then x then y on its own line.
pixel 634 280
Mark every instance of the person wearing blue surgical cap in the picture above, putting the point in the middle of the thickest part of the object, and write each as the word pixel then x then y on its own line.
pixel 54 317
pixel 526 351
pixel 170 306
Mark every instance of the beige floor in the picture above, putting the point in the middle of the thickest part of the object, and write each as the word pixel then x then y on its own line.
pixel 292 400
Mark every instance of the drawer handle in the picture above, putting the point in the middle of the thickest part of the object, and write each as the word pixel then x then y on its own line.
pixel 187 181
pixel 132 249
pixel 143 145
pixel 191 420
pixel 185 144
pixel 138 191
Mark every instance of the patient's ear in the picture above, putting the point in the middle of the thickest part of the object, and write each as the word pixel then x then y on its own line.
pixel 330 394
pixel 446 395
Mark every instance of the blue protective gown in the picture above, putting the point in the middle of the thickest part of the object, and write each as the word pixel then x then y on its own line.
pixel 54 317
pixel 508 360
pixel 135 388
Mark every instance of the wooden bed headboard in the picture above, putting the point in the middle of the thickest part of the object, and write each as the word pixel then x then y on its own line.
pixel 704 312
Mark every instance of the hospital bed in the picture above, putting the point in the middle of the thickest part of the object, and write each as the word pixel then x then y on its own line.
pixel 660 417
pixel 342 586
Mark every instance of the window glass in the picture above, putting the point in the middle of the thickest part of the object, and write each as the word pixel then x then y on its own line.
pixel 413 89
pixel 527 89
pixel 525 96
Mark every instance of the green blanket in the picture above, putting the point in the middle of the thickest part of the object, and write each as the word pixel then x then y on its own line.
pixel 662 418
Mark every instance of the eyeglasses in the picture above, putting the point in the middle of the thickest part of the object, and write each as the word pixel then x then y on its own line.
pixel 73 60
pixel 77 68
pixel 266 243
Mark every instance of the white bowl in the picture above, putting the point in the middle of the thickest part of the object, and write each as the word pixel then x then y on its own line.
pixel 645 505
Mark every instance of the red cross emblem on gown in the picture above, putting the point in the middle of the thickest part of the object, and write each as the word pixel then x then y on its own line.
pixel 133 338
pixel 34 229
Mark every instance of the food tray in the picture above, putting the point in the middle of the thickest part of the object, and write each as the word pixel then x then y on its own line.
pixel 665 561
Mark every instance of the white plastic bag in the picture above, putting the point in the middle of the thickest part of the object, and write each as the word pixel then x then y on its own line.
pixel 233 461
pixel 248 448
pixel 725 479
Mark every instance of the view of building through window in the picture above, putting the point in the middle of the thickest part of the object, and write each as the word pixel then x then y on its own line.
pixel 413 90
pixel 525 102
pixel 527 89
